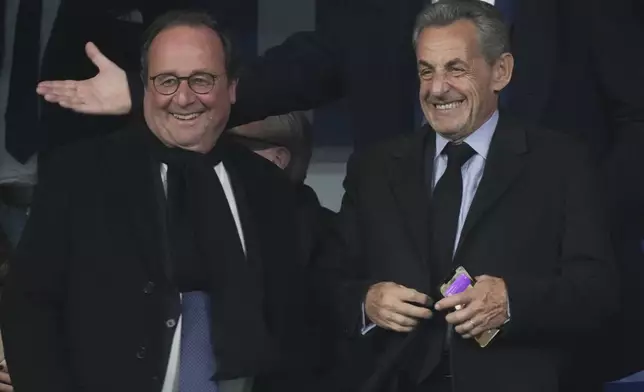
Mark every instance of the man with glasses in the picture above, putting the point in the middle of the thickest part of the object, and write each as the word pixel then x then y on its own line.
pixel 176 263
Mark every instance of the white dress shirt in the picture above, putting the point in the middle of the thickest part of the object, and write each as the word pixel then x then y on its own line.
pixel 171 381
pixel 471 171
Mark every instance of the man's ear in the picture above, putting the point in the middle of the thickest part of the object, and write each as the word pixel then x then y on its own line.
pixel 282 157
pixel 502 71
pixel 232 91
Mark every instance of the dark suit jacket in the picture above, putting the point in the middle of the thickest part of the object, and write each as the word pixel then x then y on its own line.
pixel 535 222
pixel 87 297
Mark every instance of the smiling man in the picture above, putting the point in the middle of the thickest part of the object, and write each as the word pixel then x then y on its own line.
pixel 175 261
pixel 513 204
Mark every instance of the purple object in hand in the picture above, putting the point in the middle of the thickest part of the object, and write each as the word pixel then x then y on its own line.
pixel 460 284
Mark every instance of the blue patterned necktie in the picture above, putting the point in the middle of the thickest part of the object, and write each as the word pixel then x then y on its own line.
pixel 197 363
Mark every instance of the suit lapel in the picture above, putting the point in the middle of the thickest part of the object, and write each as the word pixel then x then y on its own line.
pixel 504 163
pixel 265 209
pixel 140 200
pixel 534 44
pixel 409 180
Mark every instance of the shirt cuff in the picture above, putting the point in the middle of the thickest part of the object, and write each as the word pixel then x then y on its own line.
pixel 366 327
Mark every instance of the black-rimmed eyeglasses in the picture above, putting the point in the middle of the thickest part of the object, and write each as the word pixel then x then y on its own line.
pixel 200 82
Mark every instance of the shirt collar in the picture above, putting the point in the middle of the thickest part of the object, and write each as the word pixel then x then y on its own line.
pixel 479 140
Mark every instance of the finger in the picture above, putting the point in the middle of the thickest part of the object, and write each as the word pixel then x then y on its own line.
pixel 5 377
pixel 393 326
pixel 461 316
pixel 462 299
pixel 468 326
pixel 73 103
pixel 481 327
pixel 409 310
pixel 413 296
pixel 67 88
pixel 400 328
pixel 482 277
pixel 5 388
pixel 98 58
pixel 56 98
pixel 400 320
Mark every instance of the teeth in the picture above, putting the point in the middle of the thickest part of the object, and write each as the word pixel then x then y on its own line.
pixel 185 117
pixel 447 106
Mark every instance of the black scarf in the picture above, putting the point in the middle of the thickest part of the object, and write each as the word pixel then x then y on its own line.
pixel 206 255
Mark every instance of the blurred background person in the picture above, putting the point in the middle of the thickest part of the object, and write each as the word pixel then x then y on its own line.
pixel 286 140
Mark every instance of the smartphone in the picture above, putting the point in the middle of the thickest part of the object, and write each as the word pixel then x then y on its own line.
pixel 457 283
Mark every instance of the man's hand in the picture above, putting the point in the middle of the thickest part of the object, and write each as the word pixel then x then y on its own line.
pixel 105 93
pixel 5 379
pixel 483 307
pixel 395 307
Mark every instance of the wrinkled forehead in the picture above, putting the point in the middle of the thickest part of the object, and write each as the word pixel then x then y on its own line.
pixel 183 50
pixel 438 45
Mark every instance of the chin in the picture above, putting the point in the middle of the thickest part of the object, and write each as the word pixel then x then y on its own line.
pixel 447 129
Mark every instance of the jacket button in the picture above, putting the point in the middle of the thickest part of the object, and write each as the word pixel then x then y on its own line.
pixel 170 323
pixel 141 353
pixel 149 288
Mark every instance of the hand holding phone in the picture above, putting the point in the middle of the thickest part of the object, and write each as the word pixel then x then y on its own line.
pixel 465 315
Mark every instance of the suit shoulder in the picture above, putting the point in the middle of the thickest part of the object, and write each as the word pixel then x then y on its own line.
pixel 380 153
pixel 556 144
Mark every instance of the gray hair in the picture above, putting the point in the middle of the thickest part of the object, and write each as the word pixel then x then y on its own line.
pixel 494 35
pixel 191 18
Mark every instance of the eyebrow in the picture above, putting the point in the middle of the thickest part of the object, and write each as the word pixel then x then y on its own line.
pixel 451 63
pixel 194 72
pixel 456 61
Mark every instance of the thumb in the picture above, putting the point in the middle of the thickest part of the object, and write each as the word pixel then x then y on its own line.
pixel 482 277
pixel 97 57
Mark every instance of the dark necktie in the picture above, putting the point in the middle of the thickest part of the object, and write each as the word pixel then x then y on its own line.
pixel 22 136
pixel 445 211
pixel 446 206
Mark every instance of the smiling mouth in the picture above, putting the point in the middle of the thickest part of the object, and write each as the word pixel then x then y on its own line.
pixel 449 105
pixel 186 117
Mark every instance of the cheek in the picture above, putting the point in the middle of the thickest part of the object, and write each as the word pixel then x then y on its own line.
pixel 424 91
pixel 159 104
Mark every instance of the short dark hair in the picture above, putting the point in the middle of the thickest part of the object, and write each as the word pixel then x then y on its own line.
pixel 493 32
pixel 191 18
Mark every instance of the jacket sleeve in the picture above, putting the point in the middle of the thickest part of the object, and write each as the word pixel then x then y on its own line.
pixel 342 282
pixel 584 293
pixel 33 301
